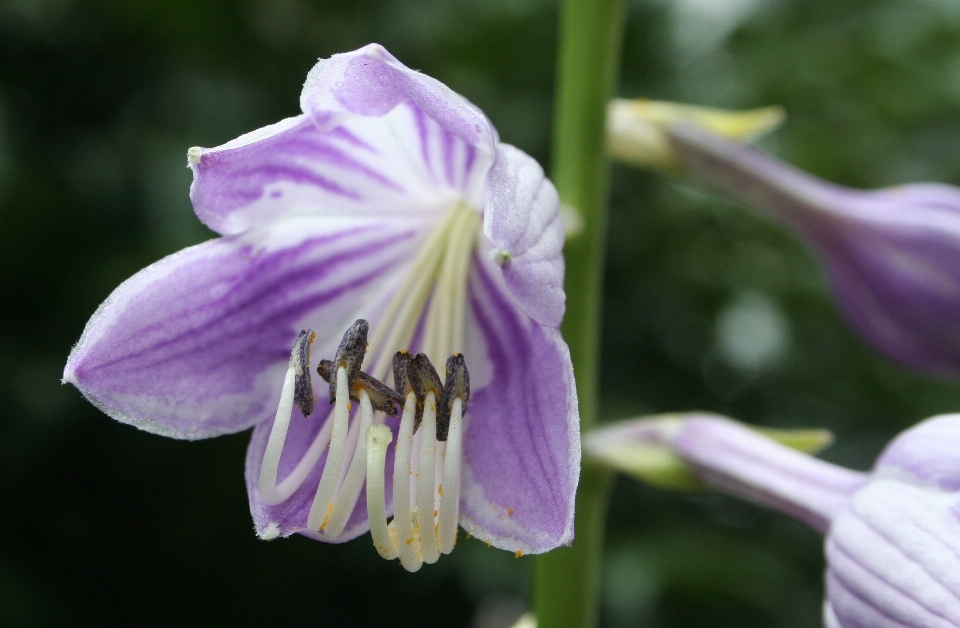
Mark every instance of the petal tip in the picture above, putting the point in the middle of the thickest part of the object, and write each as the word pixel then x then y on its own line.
pixel 269 532
pixel 194 156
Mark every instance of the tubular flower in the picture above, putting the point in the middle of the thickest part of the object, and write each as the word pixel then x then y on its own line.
pixel 892 548
pixel 892 255
pixel 390 202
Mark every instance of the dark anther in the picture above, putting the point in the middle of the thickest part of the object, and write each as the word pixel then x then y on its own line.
pixel 349 355
pixel 401 380
pixel 303 387
pixel 423 378
pixel 382 397
pixel 457 385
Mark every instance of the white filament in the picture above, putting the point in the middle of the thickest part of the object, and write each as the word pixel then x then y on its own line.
pixel 270 491
pixel 408 545
pixel 378 438
pixel 450 498
pixel 323 502
pixel 278 435
pixel 447 305
pixel 349 491
pixel 426 504
pixel 402 314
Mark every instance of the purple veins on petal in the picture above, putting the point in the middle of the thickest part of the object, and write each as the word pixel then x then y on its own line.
pixel 181 348
pixel 231 178
pixel 522 446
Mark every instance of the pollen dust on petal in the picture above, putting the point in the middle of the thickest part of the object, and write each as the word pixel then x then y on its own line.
pixel 519 553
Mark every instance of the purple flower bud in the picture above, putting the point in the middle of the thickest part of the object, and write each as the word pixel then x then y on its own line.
pixel 892 255
pixel 892 536
pixel 893 554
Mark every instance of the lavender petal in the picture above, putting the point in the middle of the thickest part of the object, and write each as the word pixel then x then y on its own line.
pixel 892 558
pixel 195 345
pixel 522 220
pixel 371 82
pixel 522 441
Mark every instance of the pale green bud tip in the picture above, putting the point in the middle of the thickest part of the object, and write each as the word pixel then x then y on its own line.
pixel 643 448
pixel 636 128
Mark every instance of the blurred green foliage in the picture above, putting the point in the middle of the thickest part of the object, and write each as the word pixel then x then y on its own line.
pixel 706 306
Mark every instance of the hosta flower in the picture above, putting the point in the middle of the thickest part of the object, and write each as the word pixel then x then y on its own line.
pixel 892 535
pixel 892 255
pixel 390 202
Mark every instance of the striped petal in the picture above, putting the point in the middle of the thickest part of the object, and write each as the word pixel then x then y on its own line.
pixel 376 137
pixel 371 82
pixel 522 441
pixel 893 558
pixel 196 344
pixel 401 164
pixel 522 220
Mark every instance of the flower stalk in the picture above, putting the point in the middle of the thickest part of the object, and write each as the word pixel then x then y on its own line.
pixel 567 579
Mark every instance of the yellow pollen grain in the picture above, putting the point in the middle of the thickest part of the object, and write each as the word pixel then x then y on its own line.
pixel 440 489
pixel 326 516
pixel 509 512
pixel 519 553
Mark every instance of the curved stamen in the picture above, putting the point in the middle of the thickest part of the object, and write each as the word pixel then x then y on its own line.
pixel 426 505
pixel 278 435
pixel 349 491
pixel 450 495
pixel 453 403
pixel 408 545
pixel 323 502
pixel 378 438
pixel 296 389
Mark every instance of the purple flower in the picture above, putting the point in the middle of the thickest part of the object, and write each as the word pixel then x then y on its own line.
pixel 893 255
pixel 892 535
pixel 390 199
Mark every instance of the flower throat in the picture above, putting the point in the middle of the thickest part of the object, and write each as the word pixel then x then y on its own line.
pixel 428 450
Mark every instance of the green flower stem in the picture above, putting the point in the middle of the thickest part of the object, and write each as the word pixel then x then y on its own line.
pixel 566 589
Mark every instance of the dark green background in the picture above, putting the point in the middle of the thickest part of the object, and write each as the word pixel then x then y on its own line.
pixel 102 524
